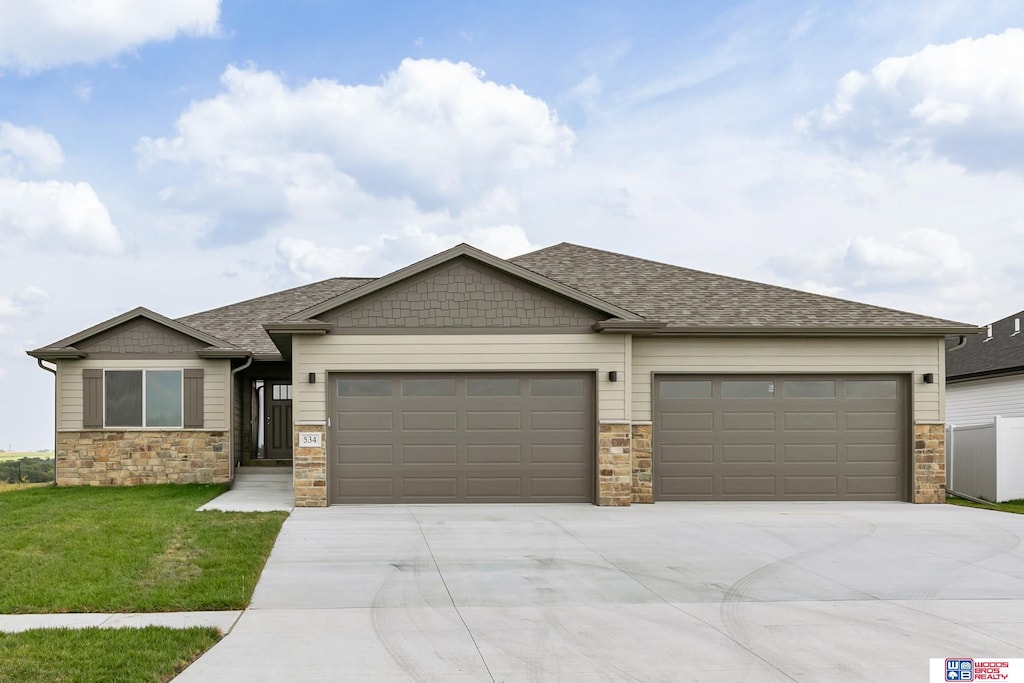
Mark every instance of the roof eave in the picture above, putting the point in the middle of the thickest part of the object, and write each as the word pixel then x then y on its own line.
pixel 213 354
pixel 281 333
pixel 52 353
pixel 812 331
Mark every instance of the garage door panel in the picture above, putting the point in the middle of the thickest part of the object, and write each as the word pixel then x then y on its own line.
pixel 805 421
pixel 430 454
pixel 780 437
pixel 873 421
pixel 462 437
pixel 489 454
pixel 743 453
pixel 413 420
pixel 376 454
pixel 490 420
pixel 688 453
pixel 811 453
pixel 748 486
pixel 752 421
pixel 811 486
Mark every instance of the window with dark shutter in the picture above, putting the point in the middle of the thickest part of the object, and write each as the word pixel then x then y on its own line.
pixel 92 398
pixel 193 394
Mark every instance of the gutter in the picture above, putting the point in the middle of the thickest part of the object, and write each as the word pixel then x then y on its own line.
pixel 231 416
pixel 56 412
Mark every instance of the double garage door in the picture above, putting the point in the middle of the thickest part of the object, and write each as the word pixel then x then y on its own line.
pixel 461 438
pixel 780 437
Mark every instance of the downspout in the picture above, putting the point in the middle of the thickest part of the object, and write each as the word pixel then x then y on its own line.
pixel 960 344
pixel 231 417
pixel 56 408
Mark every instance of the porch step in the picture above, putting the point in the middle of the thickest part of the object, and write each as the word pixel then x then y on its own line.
pixel 262 478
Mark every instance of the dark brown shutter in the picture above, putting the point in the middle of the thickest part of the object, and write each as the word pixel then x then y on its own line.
pixel 92 398
pixel 193 388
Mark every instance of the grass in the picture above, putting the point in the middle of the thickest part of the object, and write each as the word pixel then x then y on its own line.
pixel 1014 506
pixel 130 549
pixel 128 655
pixel 18 455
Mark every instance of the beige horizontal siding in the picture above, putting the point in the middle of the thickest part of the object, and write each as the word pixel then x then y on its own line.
pixel 216 379
pixel 810 355
pixel 447 352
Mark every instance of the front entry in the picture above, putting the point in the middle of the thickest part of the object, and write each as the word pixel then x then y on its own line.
pixel 277 396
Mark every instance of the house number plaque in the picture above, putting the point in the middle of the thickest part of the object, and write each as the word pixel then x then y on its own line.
pixel 310 440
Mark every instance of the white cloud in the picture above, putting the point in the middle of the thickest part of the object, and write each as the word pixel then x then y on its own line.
pixel 963 100
pixel 432 131
pixel 309 261
pixel 28 149
pixel 41 34
pixel 61 215
pixel 21 302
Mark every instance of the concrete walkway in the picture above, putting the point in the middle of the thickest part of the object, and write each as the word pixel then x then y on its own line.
pixel 16 623
pixel 257 489
pixel 675 591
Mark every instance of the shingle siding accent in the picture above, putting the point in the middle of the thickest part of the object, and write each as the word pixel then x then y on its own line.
pixel 141 337
pixel 460 296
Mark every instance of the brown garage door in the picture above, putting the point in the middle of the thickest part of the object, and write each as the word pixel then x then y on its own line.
pixel 461 438
pixel 780 437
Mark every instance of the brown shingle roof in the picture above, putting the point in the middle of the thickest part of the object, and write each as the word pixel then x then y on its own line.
pixel 242 323
pixel 691 298
pixel 681 297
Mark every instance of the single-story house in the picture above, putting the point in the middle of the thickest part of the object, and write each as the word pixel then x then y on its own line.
pixel 566 374
pixel 985 374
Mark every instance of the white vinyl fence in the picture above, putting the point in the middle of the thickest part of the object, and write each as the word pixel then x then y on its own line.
pixel 986 460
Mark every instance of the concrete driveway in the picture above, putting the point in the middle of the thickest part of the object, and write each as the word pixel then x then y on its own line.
pixel 669 592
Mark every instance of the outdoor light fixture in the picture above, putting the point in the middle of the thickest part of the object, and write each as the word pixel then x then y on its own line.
pixel 928 377
pixel 312 378
pixel 613 376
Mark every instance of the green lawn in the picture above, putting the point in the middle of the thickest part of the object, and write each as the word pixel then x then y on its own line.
pixel 1015 506
pixel 128 549
pixel 128 655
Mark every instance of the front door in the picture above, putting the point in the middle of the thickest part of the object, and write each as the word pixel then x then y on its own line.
pixel 278 397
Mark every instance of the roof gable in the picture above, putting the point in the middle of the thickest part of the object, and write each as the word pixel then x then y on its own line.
pixel 137 331
pixel 465 251
pixel 461 293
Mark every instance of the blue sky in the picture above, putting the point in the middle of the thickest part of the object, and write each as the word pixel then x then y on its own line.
pixel 182 155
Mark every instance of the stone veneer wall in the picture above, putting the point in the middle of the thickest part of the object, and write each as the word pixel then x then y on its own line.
pixel 929 469
pixel 614 465
pixel 128 458
pixel 309 469
pixel 643 483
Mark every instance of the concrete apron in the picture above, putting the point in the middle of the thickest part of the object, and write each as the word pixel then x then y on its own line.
pixel 669 592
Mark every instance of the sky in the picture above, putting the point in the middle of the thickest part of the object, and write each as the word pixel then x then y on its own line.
pixel 186 154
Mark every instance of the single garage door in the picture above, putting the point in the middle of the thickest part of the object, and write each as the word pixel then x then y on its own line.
pixel 780 437
pixel 462 438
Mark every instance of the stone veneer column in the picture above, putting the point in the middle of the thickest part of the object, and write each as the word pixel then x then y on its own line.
pixel 309 468
pixel 614 468
pixel 643 484
pixel 929 469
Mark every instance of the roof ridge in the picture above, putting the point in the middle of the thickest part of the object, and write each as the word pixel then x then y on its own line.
pixel 746 281
pixel 276 294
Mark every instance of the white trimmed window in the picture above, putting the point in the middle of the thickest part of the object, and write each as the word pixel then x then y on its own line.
pixel 143 398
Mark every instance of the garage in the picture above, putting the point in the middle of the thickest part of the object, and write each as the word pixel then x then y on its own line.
pixel 461 437
pixel 780 437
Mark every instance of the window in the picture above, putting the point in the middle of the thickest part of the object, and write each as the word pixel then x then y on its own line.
pixel 143 398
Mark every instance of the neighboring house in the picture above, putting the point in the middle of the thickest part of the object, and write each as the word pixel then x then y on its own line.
pixel 985 376
pixel 567 374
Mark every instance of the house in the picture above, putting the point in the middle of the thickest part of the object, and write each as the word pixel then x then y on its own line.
pixel 568 374
pixel 985 374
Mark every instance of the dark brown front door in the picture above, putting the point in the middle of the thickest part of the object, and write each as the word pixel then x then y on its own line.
pixel 278 397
